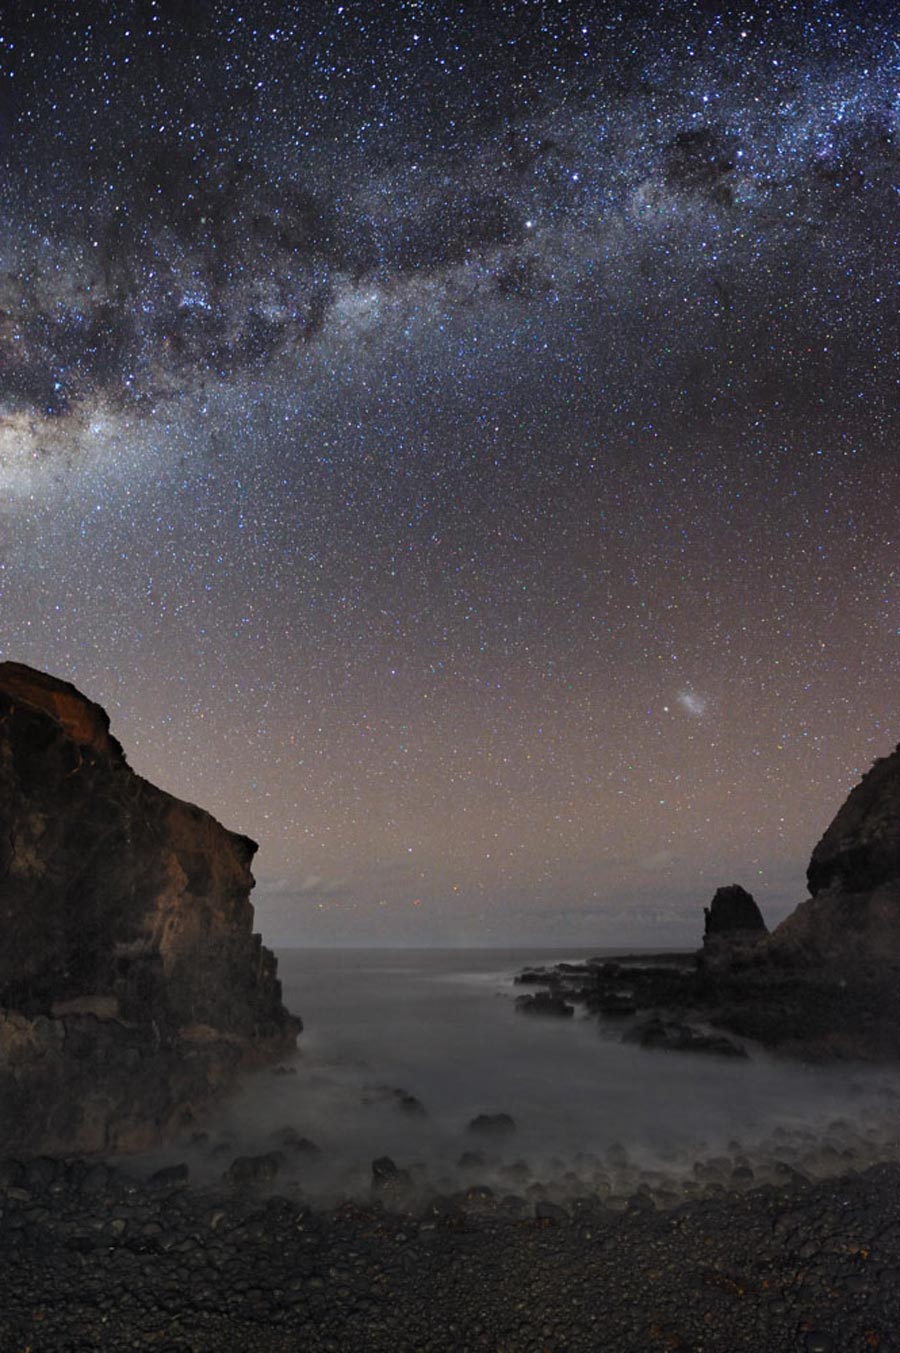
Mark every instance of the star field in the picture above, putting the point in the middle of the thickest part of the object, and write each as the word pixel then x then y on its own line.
pixel 459 447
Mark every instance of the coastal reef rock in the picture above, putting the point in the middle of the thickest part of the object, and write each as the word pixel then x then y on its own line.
pixel 853 915
pixel 132 987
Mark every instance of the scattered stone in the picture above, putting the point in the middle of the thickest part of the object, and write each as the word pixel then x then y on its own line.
pixel 396 1097
pixel 544 1003
pixel 492 1125
pixel 388 1182
pixel 616 1003
pixel 671 1036
pixel 289 1139
pixel 550 1212
pixel 171 1175
pixel 254 1171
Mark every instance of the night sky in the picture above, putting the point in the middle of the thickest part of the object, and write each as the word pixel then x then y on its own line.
pixel 458 444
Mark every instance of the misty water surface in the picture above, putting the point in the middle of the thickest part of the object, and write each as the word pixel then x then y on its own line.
pixel 441 1026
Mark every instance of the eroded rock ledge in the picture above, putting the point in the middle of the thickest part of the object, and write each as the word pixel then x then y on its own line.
pixel 132 987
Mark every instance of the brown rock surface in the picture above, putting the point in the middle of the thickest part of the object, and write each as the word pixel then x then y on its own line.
pixel 132 987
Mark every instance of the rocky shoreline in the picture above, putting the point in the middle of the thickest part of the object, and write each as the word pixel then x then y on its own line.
pixel 679 1002
pixel 133 992
pixel 97 1258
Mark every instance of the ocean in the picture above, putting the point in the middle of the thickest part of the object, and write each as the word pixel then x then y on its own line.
pixel 440 1025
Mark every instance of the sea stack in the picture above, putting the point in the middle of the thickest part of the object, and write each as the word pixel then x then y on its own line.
pixel 132 987
pixel 733 924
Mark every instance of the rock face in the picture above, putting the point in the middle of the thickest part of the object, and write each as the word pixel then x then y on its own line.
pixel 132 988
pixel 733 927
pixel 852 919
pixel 860 851
pixel 733 911
pixel 824 985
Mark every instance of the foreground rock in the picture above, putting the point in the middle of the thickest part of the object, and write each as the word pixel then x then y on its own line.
pixel 132 987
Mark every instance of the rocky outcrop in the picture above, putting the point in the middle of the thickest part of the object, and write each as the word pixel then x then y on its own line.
pixel 824 985
pixel 860 851
pixel 132 987
pixel 733 925
pixel 851 923
pixel 733 911
pixel 545 1003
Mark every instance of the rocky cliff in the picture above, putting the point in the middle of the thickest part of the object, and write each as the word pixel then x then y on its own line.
pixel 824 983
pixel 852 918
pixel 132 987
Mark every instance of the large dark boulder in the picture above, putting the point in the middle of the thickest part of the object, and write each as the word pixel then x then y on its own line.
pixel 733 910
pixel 733 929
pixel 132 986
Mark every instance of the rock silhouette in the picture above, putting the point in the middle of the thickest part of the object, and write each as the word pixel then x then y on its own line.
pixel 132 987
pixel 733 910
pixel 851 923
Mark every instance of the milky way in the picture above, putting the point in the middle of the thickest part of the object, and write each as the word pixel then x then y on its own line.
pixel 459 446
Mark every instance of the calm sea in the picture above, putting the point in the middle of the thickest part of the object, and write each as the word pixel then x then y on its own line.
pixel 441 1025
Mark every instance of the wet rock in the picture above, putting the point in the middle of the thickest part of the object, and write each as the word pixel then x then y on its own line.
pixel 492 1125
pixel 396 1097
pixel 550 1212
pixel 616 1003
pixel 41 1172
pixel 544 1003
pixel 171 1176
pixel 289 1139
pixel 671 1036
pixel 254 1171
pixel 479 1198
pixel 389 1183
pixel 535 977
pixel 383 1169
